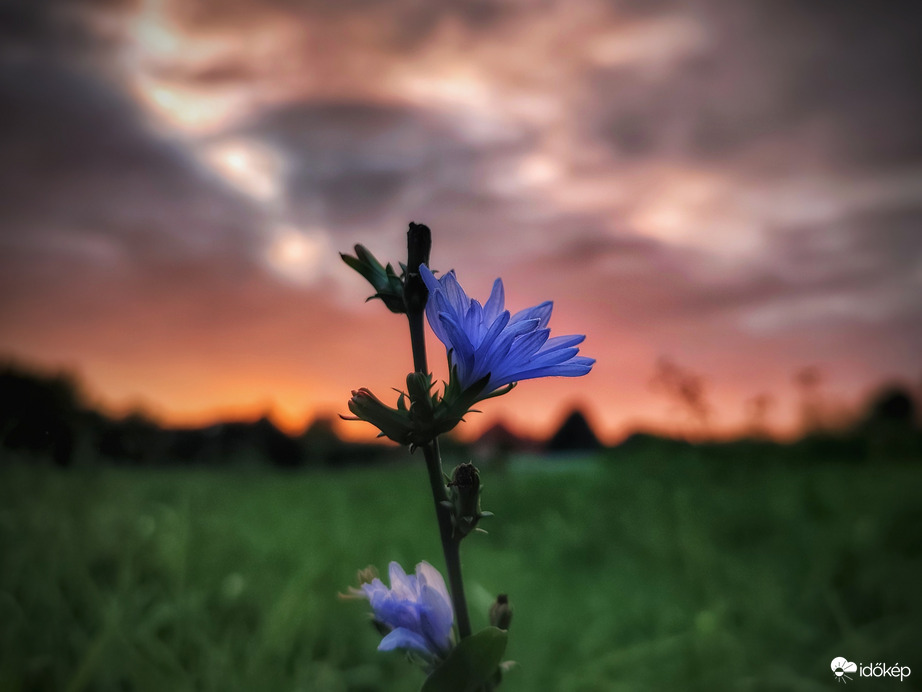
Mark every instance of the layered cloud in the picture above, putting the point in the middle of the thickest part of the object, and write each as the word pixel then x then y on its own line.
pixel 736 186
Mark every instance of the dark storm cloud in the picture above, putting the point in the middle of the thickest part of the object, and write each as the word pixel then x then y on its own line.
pixel 356 164
pixel 839 80
pixel 868 271
pixel 352 157
pixel 874 260
pixel 408 22
pixel 101 218
pixel 52 27
pixel 79 157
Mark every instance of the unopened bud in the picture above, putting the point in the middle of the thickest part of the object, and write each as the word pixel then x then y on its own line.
pixel 464 490
pixel 388 286
pixel 393 423
pixel 422 403
pixel 419 244
pixel 501 612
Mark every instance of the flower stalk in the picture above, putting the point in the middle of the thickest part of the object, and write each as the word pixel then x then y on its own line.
pixel 415 296
pixel 489 350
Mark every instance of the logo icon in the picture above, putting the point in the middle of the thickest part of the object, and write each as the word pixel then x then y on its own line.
pixel 840 667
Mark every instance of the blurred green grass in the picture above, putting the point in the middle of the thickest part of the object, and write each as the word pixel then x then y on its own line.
pixel 636 573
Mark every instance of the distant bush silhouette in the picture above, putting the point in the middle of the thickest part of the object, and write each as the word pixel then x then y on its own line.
pixel 320 442
pixel 890 424
pixel 133 439
pixel 892 405
pixel 44 416
pixel 39 414
pixel 574 434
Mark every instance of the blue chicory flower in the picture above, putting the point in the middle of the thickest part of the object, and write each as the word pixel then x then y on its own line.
pixel 417 609
pixel 486 341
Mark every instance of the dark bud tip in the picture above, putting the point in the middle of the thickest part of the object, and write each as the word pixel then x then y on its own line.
pixel 501 612
pixel 419 244
pixel 464 491
pixel 465 477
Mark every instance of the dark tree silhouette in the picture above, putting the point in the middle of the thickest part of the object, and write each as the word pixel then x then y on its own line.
pixel 890 425
pixel 39 414
pixel 894 405
pixel 574 434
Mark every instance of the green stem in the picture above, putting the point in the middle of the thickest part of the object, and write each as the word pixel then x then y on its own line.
pixel 418 341
pixel 451 547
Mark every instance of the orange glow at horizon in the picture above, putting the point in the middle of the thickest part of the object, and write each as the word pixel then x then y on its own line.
pixel 525 410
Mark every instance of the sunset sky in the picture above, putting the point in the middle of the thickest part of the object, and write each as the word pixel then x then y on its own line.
pixel 733 185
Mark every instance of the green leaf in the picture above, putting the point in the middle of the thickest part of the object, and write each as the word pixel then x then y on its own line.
pixel 471 664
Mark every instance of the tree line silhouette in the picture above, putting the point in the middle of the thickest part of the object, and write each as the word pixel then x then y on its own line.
pixel 46 417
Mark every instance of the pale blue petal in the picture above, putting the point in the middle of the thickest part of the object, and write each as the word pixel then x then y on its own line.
pixel 429 279
pixel 496 303
pixel 436 617
pixel 395 612
pixel 473 323
pixel 432 314
pixel 461 344
pixel 488 342
pixel 402 586
pixel 575 368
pixel 373 589
pixel 427 575
pixel 552 357
pixel 564 341
pixel 540 312
pixel 403 638
pixel 457 298
pixel 528 344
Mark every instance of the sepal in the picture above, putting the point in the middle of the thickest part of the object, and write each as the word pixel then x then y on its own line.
pixel 458 401
pixel 416 424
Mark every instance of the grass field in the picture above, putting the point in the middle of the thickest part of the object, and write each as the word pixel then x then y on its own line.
pixel 626 574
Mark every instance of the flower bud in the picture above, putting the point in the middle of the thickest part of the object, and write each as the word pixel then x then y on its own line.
pixel 464 494
pixel 419 243
pixel 393 423
pixel 501 612
pixel 422 401
pixel 388 286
